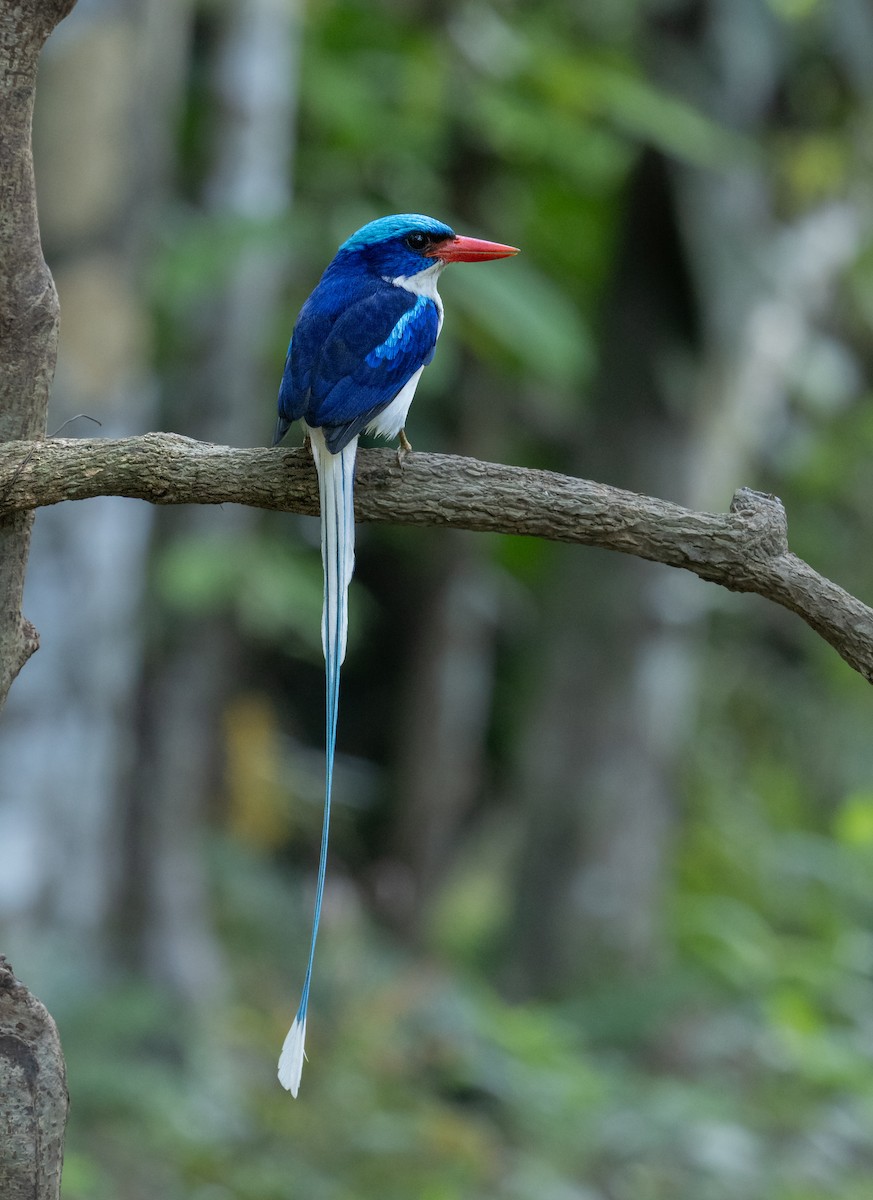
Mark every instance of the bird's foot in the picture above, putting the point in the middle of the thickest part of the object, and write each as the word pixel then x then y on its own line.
pixel 404 448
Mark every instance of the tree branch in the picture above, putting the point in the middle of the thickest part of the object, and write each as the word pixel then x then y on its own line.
pixel 745 550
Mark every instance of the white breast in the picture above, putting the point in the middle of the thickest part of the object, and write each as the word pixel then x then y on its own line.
pixel 392 419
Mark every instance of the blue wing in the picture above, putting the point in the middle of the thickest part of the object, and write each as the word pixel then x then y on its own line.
pixel 352 353
pixel 286 406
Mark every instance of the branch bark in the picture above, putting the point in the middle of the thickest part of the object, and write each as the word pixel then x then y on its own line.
pixel 745 550
pixel 33 1095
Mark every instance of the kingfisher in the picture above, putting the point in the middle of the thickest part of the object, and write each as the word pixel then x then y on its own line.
pixel 356 354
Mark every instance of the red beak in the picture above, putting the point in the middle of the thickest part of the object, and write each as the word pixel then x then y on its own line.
pixel 467 249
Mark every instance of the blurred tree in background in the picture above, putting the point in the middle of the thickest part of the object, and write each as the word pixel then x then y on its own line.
pixel 599 920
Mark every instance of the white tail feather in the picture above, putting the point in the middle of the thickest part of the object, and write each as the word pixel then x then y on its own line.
pixel 336 481
pixel 292 1056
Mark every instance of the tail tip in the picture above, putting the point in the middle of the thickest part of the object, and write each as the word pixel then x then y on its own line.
pixel 282 427
pixel 292 1056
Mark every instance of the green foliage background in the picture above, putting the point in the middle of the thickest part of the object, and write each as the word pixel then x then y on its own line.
pixel 741 1064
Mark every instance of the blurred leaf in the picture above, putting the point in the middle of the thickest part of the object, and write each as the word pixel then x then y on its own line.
pixel 273 586
pixel 794 10
pixel 815 166
pixel 854 822
pixel 616 91
pixel 791 1008
pixel 532 132
pixel 251 774
pixel 531 320
pixel 198 256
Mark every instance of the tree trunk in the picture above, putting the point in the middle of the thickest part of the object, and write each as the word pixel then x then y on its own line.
pixel 28 301
pixel 33 1095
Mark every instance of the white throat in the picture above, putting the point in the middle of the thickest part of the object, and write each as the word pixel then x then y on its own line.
pixel 423 283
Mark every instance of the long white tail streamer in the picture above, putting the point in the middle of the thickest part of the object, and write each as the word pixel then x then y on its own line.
pixel 336 481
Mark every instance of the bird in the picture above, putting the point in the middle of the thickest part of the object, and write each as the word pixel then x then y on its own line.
pixel 357 351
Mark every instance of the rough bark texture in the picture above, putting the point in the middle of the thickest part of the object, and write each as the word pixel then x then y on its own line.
pixel 28 301
pixel 33 1095
pixel 745 550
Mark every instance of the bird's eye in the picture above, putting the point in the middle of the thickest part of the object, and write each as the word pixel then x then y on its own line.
pixel 417 241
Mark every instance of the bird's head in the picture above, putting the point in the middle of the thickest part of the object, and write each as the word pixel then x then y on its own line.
pixel 402 246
